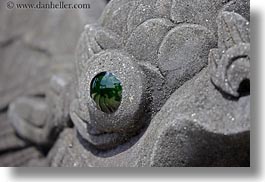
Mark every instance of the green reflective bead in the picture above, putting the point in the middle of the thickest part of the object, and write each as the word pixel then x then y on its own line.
pixel 106 91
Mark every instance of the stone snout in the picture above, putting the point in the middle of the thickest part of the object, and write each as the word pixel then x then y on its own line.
pixel 99 124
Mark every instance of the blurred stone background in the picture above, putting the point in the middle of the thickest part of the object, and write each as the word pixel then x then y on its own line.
pixel 33 44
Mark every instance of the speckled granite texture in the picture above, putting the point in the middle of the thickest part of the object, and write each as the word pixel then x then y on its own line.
pixel 184 67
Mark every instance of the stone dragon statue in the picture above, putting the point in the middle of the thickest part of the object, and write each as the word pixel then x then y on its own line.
pixel 154 83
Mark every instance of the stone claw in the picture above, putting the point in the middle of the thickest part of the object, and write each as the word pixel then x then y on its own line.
pixel 40 119
pixel 29 116
pixel 230 63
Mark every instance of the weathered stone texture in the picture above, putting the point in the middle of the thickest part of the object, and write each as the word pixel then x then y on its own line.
pixel 184 67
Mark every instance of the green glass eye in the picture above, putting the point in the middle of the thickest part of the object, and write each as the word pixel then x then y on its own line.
pixel 106 91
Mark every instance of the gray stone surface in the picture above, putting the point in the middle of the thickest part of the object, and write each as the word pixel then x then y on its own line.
pixel 31 40
pixel 9 140
pixel 198 127
pixel 230 63
pixel 180 60
pixel 20 158
pixel 37 52
pixel 200 124
pixel 14 151
pixel 176 110
pixel 102 129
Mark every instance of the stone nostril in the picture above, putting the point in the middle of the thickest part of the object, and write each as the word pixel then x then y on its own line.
pixel 244 88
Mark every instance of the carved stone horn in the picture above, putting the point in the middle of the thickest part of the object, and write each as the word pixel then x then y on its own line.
pixel 230 63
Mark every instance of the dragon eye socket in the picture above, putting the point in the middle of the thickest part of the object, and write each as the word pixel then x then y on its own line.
pixel 106 91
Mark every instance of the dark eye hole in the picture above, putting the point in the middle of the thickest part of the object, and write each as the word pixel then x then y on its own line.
pixel 106 91
pixel 244 88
